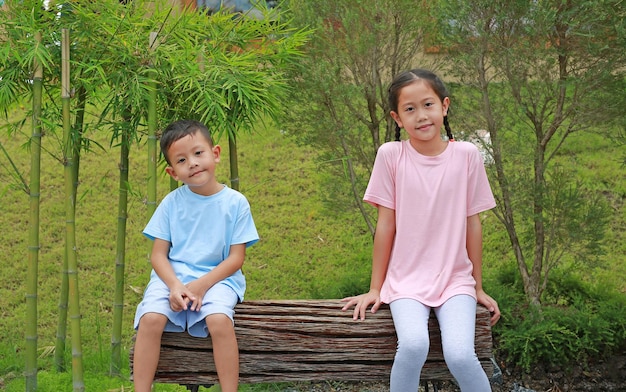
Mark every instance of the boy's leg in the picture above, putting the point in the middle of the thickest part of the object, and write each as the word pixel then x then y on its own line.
pixel 457 320
pixel 147 350
pixel 225 350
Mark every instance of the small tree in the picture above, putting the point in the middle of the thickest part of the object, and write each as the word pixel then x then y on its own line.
pixel 339 99
pixel 17 68
pixel 69 162
pixel 538 73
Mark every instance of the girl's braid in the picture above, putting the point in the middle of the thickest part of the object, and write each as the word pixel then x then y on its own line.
pixel 448 130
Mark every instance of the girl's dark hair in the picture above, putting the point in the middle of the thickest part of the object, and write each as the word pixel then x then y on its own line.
pixel 405 78
pixel 178 130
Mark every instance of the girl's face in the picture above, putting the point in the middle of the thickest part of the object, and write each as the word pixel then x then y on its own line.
pixel 420 113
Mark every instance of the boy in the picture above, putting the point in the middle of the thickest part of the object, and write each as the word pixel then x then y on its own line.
pixel 200 231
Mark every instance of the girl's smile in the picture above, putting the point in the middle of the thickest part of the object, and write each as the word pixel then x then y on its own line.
pixel 420 113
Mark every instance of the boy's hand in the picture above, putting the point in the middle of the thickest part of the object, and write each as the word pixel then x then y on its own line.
pixel 198 290
pixel 361 302
pixel 181 297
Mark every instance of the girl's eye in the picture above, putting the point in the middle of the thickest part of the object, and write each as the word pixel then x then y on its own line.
pixel 409 109
pixel 429 104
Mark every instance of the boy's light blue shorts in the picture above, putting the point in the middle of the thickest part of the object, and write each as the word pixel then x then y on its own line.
pixel 218 299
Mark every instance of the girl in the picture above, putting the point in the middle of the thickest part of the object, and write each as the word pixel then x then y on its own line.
pixel 428 242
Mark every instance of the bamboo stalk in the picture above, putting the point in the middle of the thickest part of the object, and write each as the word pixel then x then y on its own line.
pixel 152 138
pixel 120 257
pixel 30 370
pixel 59 352
pixel 70 216
pixel 234 164
pixel 59 348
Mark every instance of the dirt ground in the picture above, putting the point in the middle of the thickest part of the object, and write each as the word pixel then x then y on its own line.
pixel 607 375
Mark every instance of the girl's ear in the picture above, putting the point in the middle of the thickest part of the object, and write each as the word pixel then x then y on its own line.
pixel 446 104
pixel 396 118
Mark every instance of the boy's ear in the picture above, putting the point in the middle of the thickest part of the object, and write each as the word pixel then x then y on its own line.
pixel 217 152
pixel 170 170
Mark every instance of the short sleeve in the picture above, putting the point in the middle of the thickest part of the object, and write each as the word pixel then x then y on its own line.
pixel 159 224
pixel 244 231
pixel 381 190
pixel 479 195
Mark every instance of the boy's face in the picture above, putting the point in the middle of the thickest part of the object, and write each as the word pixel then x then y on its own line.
pixel 193 161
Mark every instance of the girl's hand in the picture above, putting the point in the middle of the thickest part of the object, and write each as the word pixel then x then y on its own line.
pixel 361 302
pixel 490 304
pixel 181 297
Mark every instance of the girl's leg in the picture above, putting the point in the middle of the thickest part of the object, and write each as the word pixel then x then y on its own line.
pixel 457 320
pixel 225 350
pixel 410 319
pixel 147 350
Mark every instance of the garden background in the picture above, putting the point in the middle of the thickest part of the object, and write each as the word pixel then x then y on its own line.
pixel 300 133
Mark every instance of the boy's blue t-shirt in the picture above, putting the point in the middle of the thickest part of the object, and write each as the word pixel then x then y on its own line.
pixel 201 230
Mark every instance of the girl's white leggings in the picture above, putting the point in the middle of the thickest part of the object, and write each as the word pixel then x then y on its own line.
pixel 457 320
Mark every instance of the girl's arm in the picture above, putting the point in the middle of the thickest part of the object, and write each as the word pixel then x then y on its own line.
pixel 383 242
pixel 180 296
pixel 474 244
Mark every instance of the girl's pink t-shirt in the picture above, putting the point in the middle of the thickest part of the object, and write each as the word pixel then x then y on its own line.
pixel 432 197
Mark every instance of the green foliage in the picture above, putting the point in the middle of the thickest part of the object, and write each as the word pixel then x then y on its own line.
pixel 537 74
pixel 228 72
pixel 581 322
pixel 339 100
pixel 305 252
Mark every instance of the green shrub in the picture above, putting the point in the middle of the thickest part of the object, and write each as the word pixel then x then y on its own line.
pixel 584 322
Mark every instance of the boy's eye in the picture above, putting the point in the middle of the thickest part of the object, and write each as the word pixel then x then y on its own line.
pixel 181 160
pixel 199 152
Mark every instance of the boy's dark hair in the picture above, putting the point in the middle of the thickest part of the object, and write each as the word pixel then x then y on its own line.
pixel 405 78
pixel 178 130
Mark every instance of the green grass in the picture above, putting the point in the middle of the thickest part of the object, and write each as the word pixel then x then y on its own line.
pixel 599 165
pixel 305 250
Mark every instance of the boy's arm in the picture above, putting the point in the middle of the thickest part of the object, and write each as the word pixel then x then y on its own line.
pixel 180 295
pixel 223 270
pixel 474 244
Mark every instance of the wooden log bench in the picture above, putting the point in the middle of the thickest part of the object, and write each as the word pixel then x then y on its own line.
pixel 307 340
